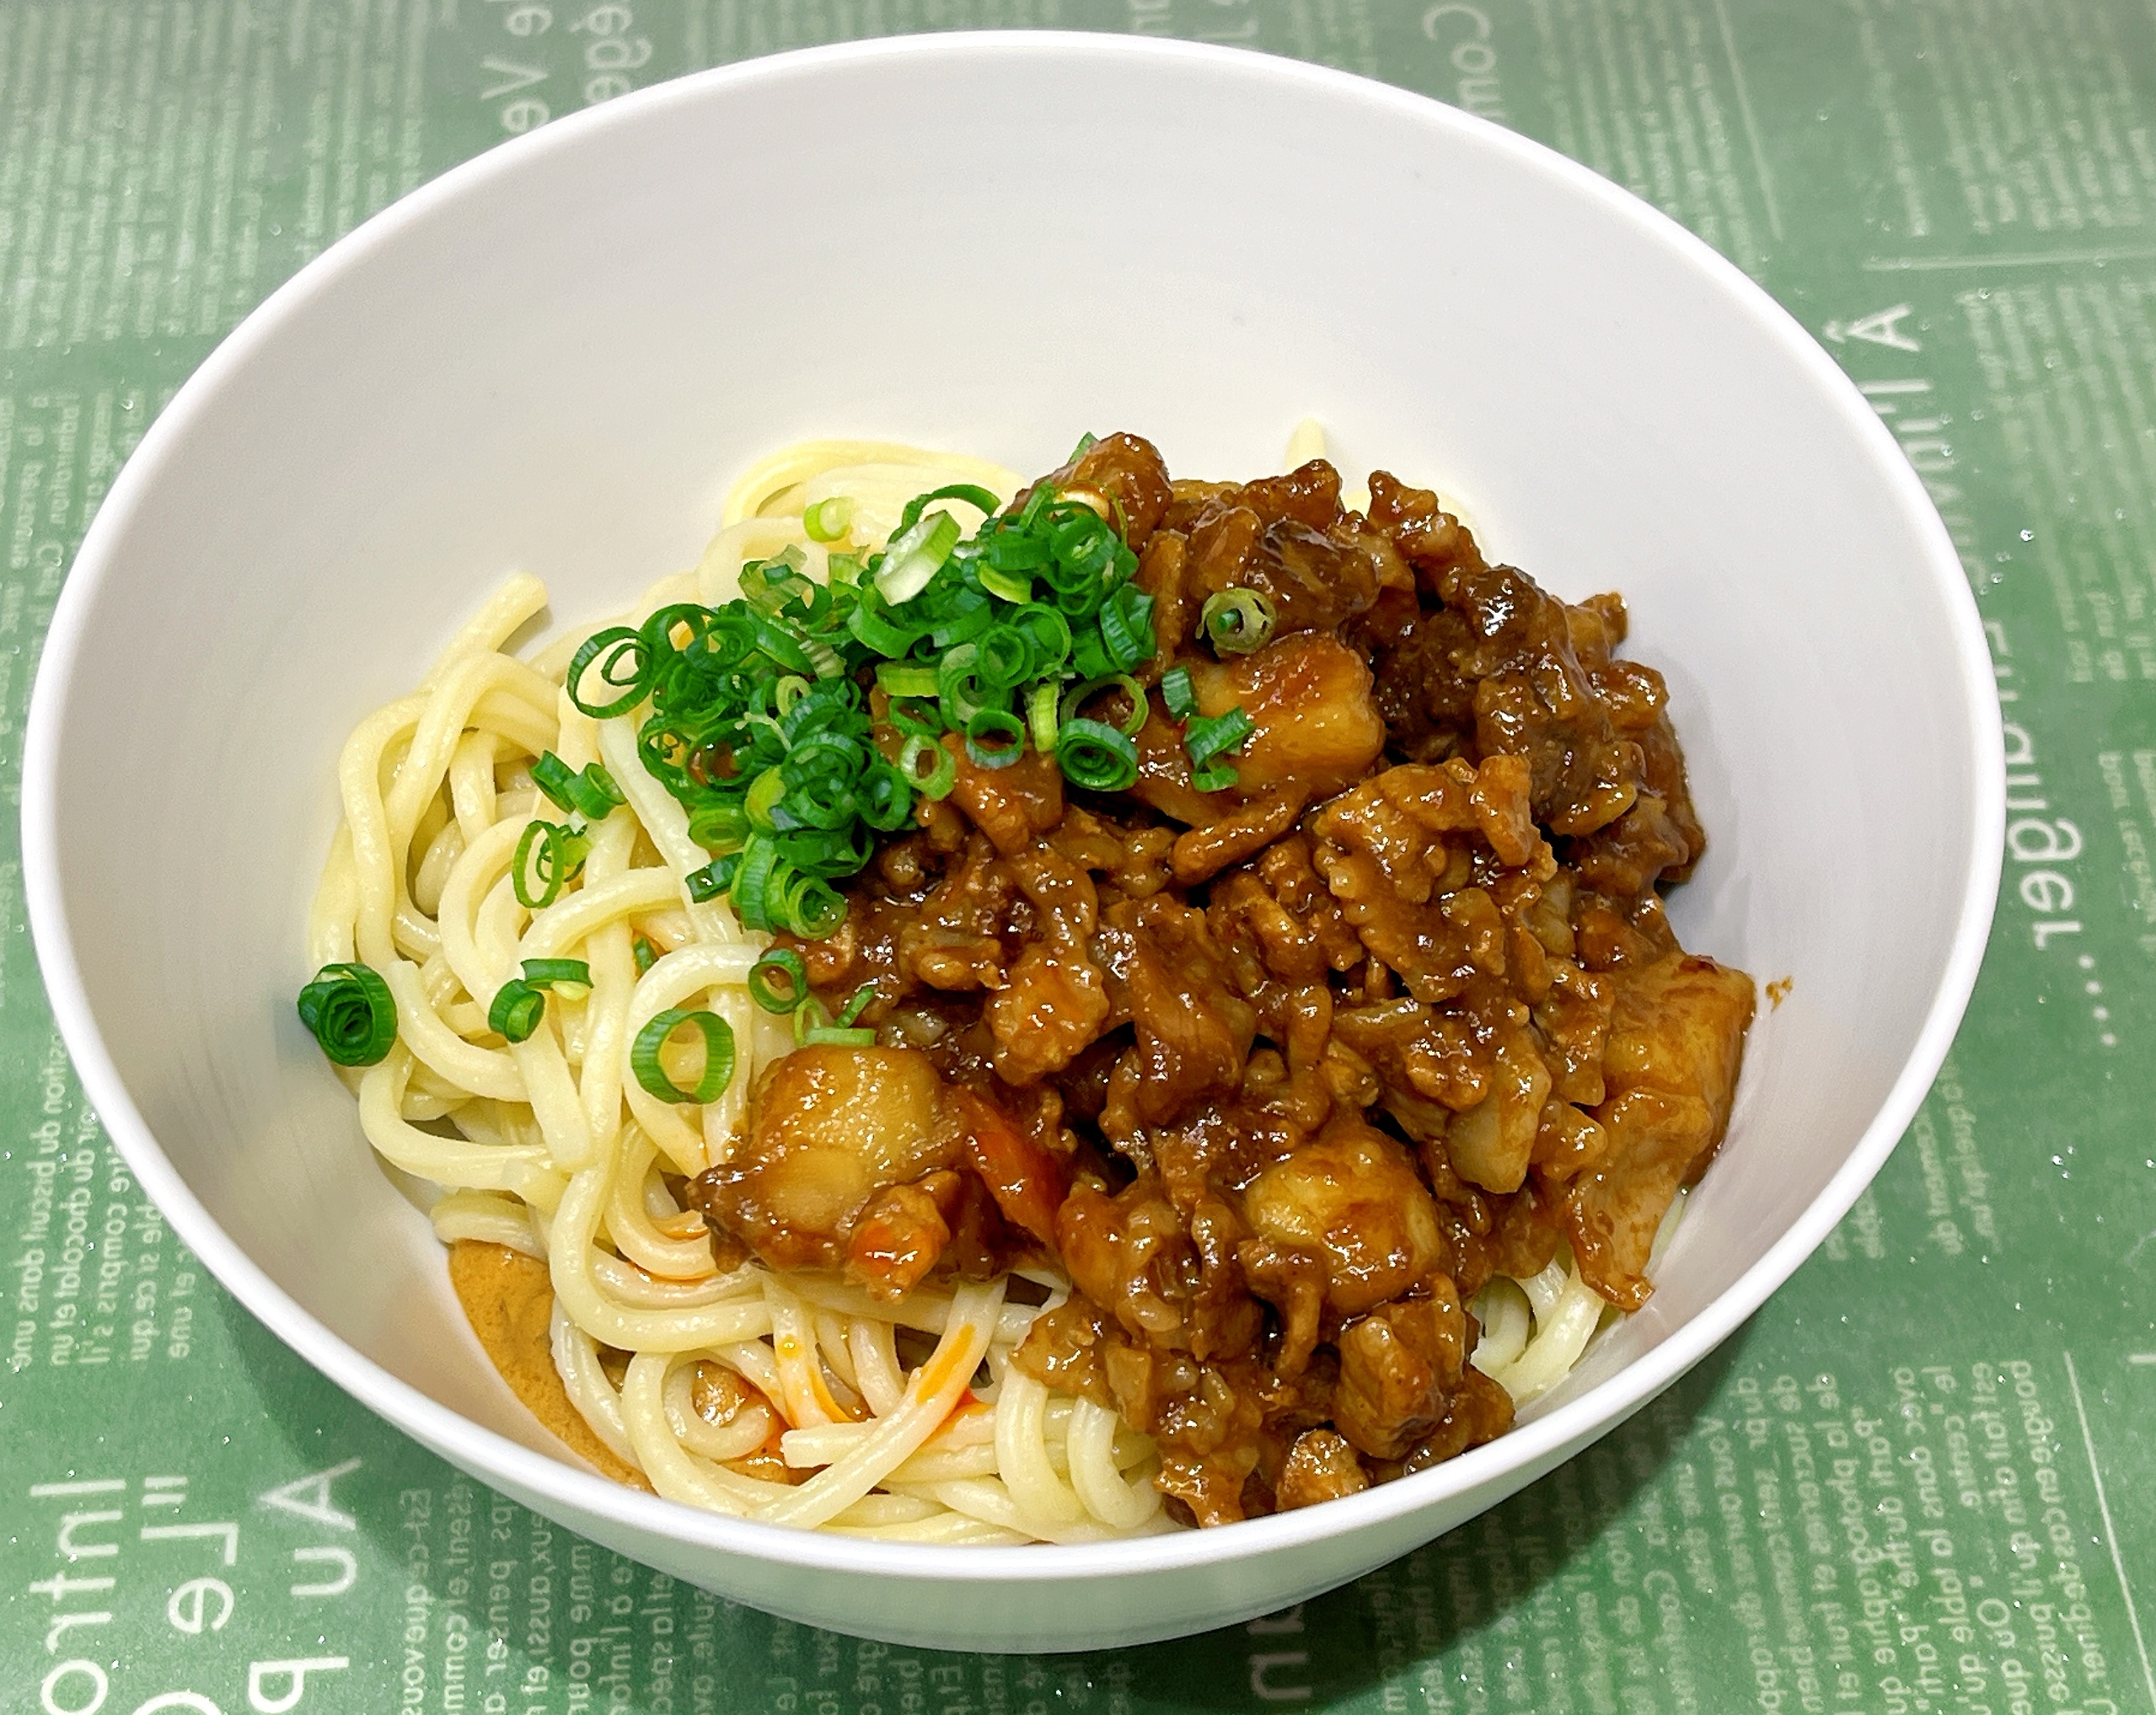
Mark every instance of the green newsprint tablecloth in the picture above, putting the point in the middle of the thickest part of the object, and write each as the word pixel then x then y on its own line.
pixel 1921 1482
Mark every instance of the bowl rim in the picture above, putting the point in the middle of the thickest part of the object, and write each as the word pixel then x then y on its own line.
pixel 498 1458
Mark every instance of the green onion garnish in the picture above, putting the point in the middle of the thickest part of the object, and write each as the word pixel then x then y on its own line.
pixel 1011 586
pixel 625 665
pixel 543 974
pixel 719 827
pixel 767 715
pixel 1176 693
pixel 1095 757
pixel 907 680
pixel 348 1009
pixel 552 776
pixel 1132 724
pixel 832 1036
pixel 995 739
pixel 854 1007
pixel 1212 734
pixel 516 1010
pixel 942 772
pixel 590 794
pixel 645 954
pixel 1041 719
pixel 707 883
pixel 1217 777
pixel 827 519
pixel 550 854
pixel 718 1056
pixel 780 961
pixel 916 555
pixel 1236 621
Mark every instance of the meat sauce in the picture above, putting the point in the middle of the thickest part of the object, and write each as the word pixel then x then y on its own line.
pixel 1280 1075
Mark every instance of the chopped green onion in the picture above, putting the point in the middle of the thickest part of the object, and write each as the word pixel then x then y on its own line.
pixel 885 801
pixel 552 775
pixel 762 715
pixel 543 974
pixel 611 649
pixel 990 724
pixel 645 954
pixel 959 686
pixel 516 1010
pixel 718 1056
pixel 1011 586
pixel 1132 724
pixel 550 854
pixel 1095 757
pixel 1214 734
pixel 813 908
pixel 832 1036
pixel 1176 693
pixel 827 519
pixel 942 774
pixel 980 499
pixel 906 680
pixel 718 827
pixel 855 1007
pixel 1127 627
pixel 780 962
pixel 916 555
pixel 963 624
pixel 1048 633
pixel 348 1009
pixel 706 884
pixel 591 793
pixel 764 796
pixel 751 887
pixel 1216 777
pixel 1003 657
pixel 1041 718
pixel 877 634
pixel 1238 620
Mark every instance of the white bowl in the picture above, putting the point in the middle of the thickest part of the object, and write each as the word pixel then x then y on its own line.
pixel 554 358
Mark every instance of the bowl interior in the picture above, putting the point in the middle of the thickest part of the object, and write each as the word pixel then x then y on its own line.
pixel 554 361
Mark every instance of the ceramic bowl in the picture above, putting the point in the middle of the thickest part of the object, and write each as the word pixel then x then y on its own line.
pixel 554 358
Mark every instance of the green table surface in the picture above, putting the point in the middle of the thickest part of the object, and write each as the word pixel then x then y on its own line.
pixel 1921 1479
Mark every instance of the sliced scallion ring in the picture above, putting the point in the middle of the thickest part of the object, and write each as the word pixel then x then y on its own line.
pixel 550 854
pixel 942 772
pixel 516 1010
pixel 780 961
pixel 833 1036
pixel 916 555
pixel 547 973
pixel 348 1009
pixel 1042 719
pixel 1236 621
pixel 626 664
pixel 1096 756
pixel 718 1056
pixel 994 739
pixel 827 520
pixel 1132 724
pixel 1216 735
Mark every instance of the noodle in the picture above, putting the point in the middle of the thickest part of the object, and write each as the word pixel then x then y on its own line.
pixel 551 1146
